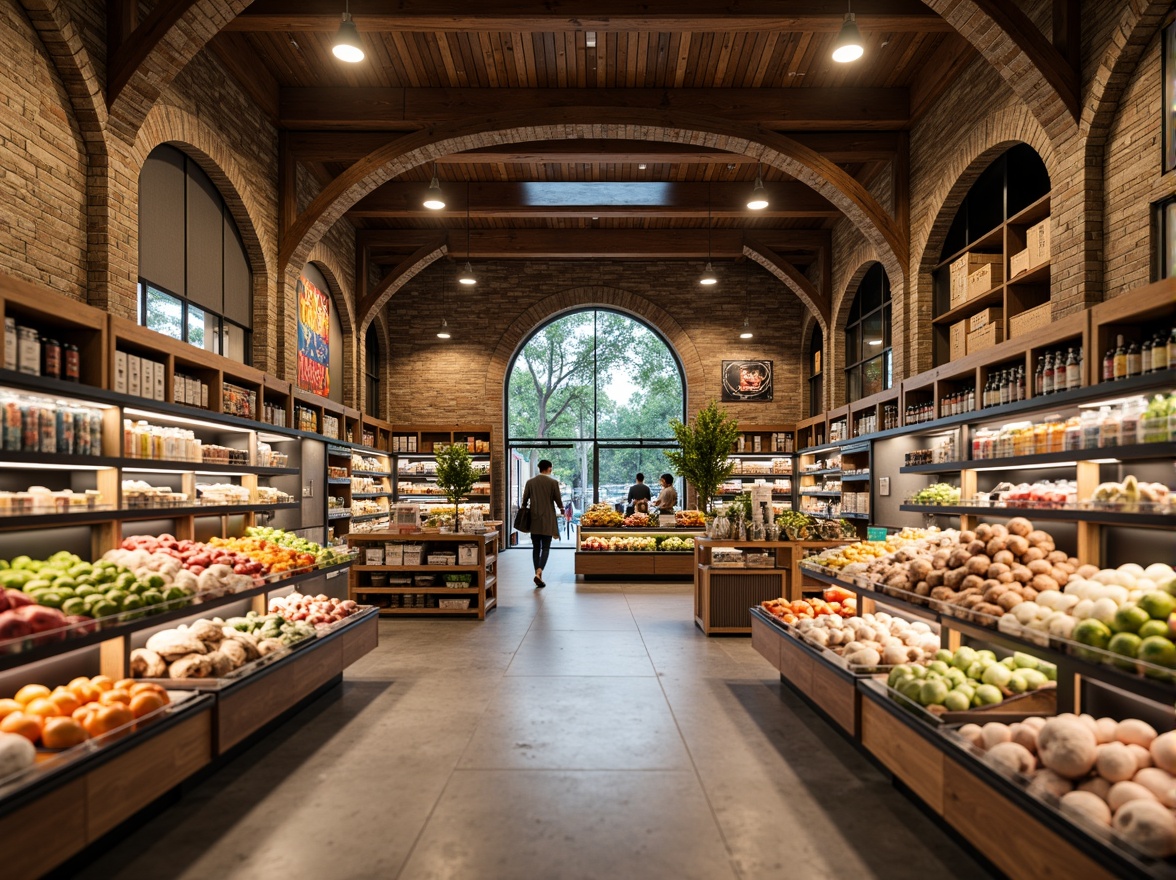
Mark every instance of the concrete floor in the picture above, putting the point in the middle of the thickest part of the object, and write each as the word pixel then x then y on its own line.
pixel 582 731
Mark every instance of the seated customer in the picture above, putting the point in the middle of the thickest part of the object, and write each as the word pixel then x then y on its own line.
pixel 669 495
pixel 638 492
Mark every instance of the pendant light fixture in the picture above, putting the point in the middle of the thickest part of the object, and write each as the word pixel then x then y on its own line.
pixel 467 274
pixel 708 277
pixel 347 46
pixel 759 196
pixel 443 333
pixel 849 40
pixel 746 333
pixel 434 199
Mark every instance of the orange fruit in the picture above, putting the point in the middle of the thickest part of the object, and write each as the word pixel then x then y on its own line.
pixel 62 733
pixel 81 712
pixel 84 691
pixel 148 701
pixel 65 699
pixel 145 686
pixel 30 692
pixel 42 706
pixel 124 684
pixel 103 682
pixel 104 719
pixel 7 707
pixel 115 696
pixel 28 726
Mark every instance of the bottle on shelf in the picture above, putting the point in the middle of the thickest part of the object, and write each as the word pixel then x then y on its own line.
pixel 1108 369
pixel 1134 360
pixel 1160 354
pixel 1145 355
pixel 1120 359
pixel 1039 378
pixel 1073 371
pixel 1172 349
pixel 1047 374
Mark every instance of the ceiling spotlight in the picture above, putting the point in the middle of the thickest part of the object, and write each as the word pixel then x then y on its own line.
pixel 347 46
pixel 641 167
pixel 746 334
pixel 443 333
pixel 759 196
pixel 467 274
pixel 434 199
pixel 708 276
pixel 590 39
pixel 849 41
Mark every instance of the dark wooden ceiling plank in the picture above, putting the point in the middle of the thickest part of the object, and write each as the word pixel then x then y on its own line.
pixel 939 71
pixel 370 108
pixel 614 16
pixel 251 73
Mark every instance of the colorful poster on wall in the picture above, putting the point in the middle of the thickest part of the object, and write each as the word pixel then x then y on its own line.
pixel 314 339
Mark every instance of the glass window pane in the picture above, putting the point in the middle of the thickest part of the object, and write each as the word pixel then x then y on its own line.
pixel 1169 244
pixel 164 313
pixel 889 369
pixel 886 343
pixel 873 375
pixel 872 336
pixel 196 334
pixel 853 384
pixel 236 342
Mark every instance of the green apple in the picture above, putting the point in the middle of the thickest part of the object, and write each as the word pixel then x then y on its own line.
pixel 1129 618
pixel 988 695
pixel 1157 604
pixel 932 692
pixel 997 675
pixel 957 701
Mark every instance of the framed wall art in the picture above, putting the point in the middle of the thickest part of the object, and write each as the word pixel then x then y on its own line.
pixel 747 381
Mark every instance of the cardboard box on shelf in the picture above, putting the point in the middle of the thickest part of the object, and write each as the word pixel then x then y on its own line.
pixel 1037 239
pixel 984 279
pixel 412 554
pixel 160 381
pixel 374 556
pixel 960 271
pixel 1028 320
pixel 467 554
pixel 120 372
pixel 959 339
pixel 980 320
pixel 985 338
pixel 147 377
pixel 134 374
pixel 1019 263
pixel 393 553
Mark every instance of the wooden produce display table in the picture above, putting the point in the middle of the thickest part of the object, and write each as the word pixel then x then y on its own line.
pixel 429 580
pixel 624 562
pixel 722 594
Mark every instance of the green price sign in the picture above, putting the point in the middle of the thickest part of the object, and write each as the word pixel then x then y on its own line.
pixel 876 533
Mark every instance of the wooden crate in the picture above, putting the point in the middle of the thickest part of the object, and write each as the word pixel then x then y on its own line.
pixel 1019 264
pixel 1031 319
pixel 964 267
pixel 982 319
pixel 985 278
pixel 959 340
pixel 1037 239
pixel 980 340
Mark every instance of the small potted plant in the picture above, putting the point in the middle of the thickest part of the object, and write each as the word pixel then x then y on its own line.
pixel 704 453
pixel 455 477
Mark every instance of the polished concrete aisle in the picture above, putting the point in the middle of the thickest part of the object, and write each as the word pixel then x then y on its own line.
pixel 582 731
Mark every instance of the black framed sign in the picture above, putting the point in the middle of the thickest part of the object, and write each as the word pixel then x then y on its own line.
pixel 747 381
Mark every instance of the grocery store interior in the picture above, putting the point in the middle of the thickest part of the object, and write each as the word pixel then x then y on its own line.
pixel 567 440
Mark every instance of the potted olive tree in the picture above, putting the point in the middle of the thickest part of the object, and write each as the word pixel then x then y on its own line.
pixel 455 476
pixel 704 454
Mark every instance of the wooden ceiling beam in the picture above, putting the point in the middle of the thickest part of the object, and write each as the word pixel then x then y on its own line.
pixel 817 109
pixel 849 146
pixel 619 244
pixel 498 200
pixel 727 242
pixel 133 49
pixel 546 16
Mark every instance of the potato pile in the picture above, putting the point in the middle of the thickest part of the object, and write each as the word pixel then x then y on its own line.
pixel 988 571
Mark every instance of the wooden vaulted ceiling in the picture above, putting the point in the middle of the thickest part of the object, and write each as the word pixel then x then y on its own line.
pixel 759 62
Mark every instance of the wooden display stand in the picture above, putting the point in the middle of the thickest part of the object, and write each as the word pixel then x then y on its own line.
pixel 625 563
pixel 482 591
pixel 722 595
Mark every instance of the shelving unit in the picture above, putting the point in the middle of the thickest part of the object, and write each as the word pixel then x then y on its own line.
pixel 624 563
pixel 773 464
pixel 371 581
pixel 415 469
pixel 722 594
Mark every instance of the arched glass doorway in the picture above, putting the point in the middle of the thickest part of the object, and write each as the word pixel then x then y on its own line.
pixel 593 391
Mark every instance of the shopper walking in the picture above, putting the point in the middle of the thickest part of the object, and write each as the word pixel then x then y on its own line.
pixel 668 497
pixel 541 494
pixel 638 492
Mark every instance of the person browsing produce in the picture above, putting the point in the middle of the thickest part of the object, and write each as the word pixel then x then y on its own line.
pixel 638 492
pixel 668 497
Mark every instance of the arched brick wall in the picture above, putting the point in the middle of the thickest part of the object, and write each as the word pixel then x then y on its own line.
pixel 383 365
pixel 200 22
pixel 171 125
